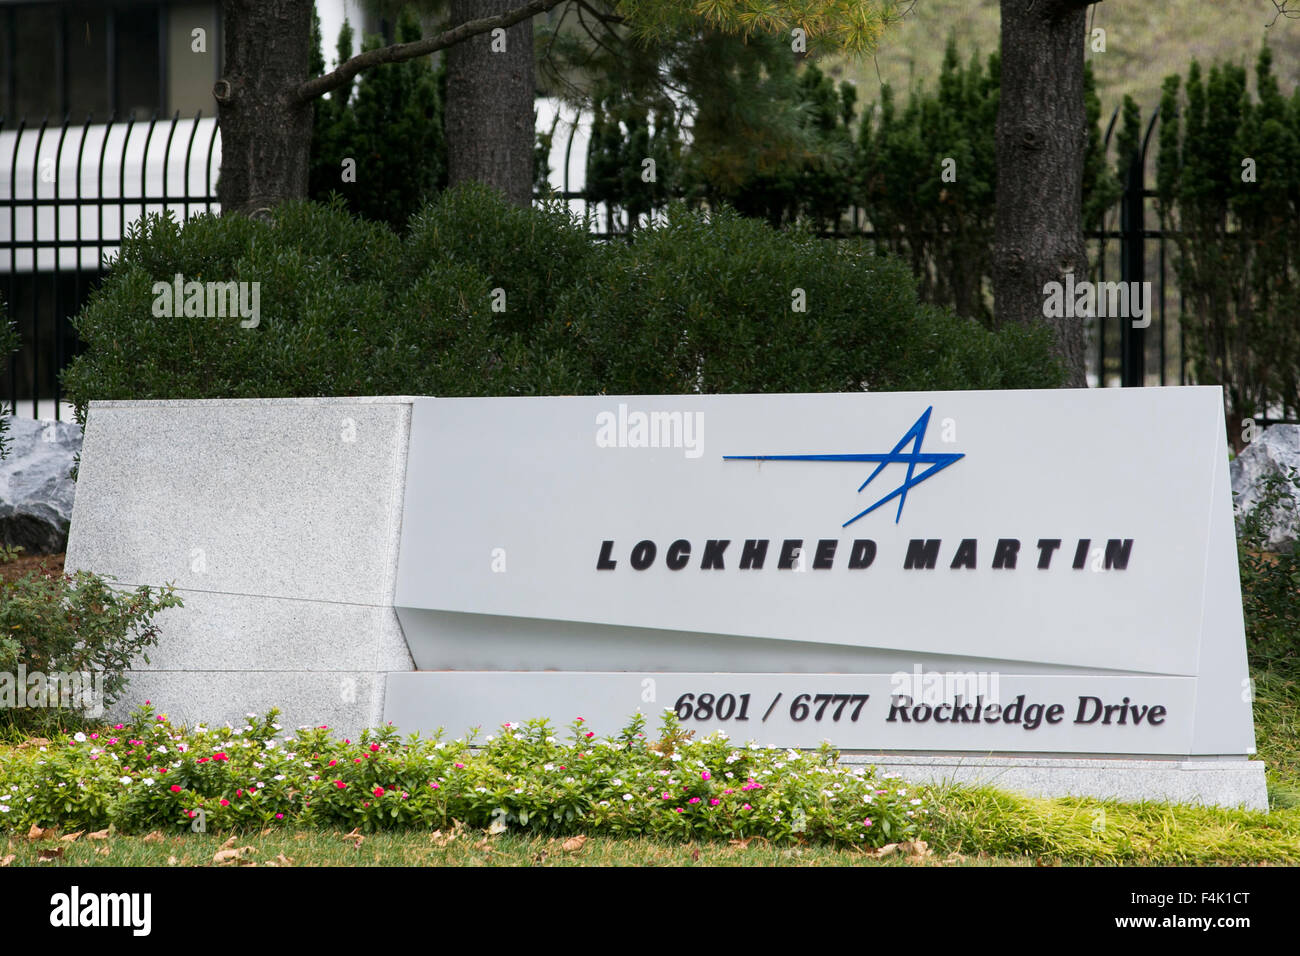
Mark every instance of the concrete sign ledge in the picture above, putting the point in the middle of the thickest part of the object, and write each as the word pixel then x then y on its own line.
pixel 1036 589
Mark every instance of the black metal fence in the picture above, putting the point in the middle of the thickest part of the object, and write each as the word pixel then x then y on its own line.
pixel 69 193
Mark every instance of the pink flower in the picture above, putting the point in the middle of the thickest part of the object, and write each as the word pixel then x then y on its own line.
pixel 704 776
pixel 340 784
pixel 866 821
pixel 117 726
pixel 239 793
pixel 379 791
pixel 176 788
pixel 356 760
pixel 374 748
pixel 333 762
pixel 714 802
pixel 590 734
pixel 225 803
pixel 579 720
pixel 347 741
pixel 728 791
pixel 747 807
pixel 220 756
pixel 94 736
pixel 667 796
pixel 160 717
pixel 434 786
pixel 112 740
pixel 459 766
pixel 279 816
pixel 677 809
pixel 693 800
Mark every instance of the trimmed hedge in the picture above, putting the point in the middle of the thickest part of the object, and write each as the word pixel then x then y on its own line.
pixel 484 298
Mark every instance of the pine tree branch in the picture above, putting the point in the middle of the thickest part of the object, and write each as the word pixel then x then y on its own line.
pixel 400 52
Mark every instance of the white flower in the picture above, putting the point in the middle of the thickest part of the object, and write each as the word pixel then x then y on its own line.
pixel 181 748
pixel 3 808
pixel 279 776
pixel 491 737
pixel 160 750
pixel 627 796
pixel 548 766
pixel 79 737
pixel 617 782
pixel 550 740
pixel 124 780
pixel 675 757
pixel 916 803
pixel 147 781
pixel 480 789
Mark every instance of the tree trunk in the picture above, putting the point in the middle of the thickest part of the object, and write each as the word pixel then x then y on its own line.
pixel 265 134
pixel 1041 139
pixel 489 106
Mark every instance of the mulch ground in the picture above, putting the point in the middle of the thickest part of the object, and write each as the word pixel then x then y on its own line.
pixel 49 563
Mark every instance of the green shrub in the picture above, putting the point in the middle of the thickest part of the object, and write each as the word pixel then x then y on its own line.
pixel 69 625
pixel 484 298
pixel 708 303
pixel 1270 583
pixel 148 774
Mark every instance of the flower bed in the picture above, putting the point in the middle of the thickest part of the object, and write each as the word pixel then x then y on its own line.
pixel 148 774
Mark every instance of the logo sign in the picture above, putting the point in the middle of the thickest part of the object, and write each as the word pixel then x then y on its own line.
pixel 896 456
pixel 1062 563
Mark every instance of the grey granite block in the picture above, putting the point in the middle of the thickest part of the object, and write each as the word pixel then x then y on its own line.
pixel 1226 782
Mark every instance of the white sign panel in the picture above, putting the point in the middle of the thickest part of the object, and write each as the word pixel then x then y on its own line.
pixel 1076 545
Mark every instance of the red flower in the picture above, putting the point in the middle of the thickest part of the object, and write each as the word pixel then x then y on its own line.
pixel 379 791
pixel 204 759
pixel 220 756
pixel 225 803
pixel 374 748
pixel 340 784
pixel 590 734
pixel 176 788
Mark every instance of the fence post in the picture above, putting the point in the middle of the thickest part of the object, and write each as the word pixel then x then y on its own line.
pixel 1133 266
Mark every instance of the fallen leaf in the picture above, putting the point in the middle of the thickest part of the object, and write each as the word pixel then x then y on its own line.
pixel 33 742
pixel 47 853
pixel 230 856
pixel 97 835
pixel 283 860
pixel 266 832
pixel 573 844
pixel 539 858
pixel 102 851
pixel 741 844
pixel 6 860
pixel 889 849
pixel 72 837
pixel 228 844
pixel 695 856
pixel 154 837
pixel 916 848
pixel 171 861
pixel 36 833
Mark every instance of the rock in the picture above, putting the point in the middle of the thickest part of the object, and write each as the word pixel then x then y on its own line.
pixel 35 490
pixel 1275 452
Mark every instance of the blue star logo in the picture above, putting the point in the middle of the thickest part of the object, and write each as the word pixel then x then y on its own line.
pixel 936 461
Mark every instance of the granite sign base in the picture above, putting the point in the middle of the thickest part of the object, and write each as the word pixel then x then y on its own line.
pixel 278 521
pixel 1227 782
